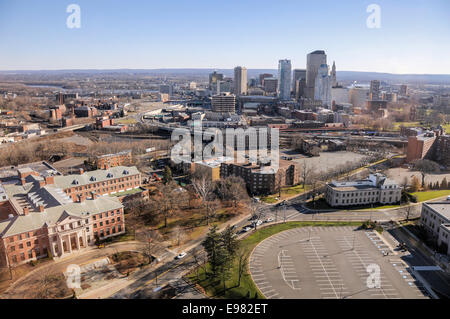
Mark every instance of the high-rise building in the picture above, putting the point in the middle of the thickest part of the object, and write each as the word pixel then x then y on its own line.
pixel 270 85
pixel 214 77
pixel 333 75
pixel 263 76
pixel 313 61
pixel 284 79
pixel 403 89
pixel 224 103
pixel 322 87
pixel 240 80
pixel 166 88
pixel 226 85
pixel 298 75
pixel 374 92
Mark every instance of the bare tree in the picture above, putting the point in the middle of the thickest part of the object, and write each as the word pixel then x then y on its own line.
pixel 204 187
pixel 305 173
pixel 151 239
pixel 256 212
pixel 178 235
pixel 407 211
pixel 425 167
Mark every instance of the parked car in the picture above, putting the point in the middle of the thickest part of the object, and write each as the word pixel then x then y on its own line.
pixel 246 229
pixel 181 255
pixel 269 220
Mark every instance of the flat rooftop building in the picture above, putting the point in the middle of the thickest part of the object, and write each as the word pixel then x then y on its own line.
pixel 377 188
pixel 435 218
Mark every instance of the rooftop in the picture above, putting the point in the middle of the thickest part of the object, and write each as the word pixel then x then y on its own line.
pixel 442 208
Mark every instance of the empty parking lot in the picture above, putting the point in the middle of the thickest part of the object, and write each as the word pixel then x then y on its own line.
pixel 331 263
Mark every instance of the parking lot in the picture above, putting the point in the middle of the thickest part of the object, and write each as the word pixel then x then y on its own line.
pixel 331 263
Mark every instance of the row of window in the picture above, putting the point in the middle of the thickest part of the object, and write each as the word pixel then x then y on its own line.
pixel 23 236
pixel 108 231
pixel 105 183
pixel 106 214
pixel 28 255
pixel 21 245
pixel 107 222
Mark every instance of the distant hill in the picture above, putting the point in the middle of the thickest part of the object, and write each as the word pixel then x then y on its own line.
pixel 341 75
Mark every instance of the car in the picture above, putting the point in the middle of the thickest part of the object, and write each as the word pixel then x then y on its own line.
pixel 269 220
pixel 181 255
pixel 259 222
pixel 246 229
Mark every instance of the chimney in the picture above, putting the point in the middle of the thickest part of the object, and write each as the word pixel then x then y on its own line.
pixel 41 184
pixel 81 171
pixel 26 211
pixel 50 180
pixel 41 208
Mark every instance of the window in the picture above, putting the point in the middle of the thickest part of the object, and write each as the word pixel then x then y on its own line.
pixel 28 243
pixel 22 256
pixel 20 246
pixel 12 248
pixel 30 254
pixel 14 258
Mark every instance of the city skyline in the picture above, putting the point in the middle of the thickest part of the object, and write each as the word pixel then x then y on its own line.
pixel 124 37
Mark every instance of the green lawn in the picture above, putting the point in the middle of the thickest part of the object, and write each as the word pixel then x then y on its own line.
pixel 286 192
pixel 214 288
pixel 126 120
pixel 397 125
pixel 428 195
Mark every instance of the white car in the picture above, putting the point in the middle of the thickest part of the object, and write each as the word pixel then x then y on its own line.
pixel 246 229
pixel 269 220
pixel 259 222
pixel 181 255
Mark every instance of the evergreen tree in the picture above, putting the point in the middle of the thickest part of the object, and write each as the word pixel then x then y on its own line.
pixel 229 241
pixel 212 246
pixel 444 184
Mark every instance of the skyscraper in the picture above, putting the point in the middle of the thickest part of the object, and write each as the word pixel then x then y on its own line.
pixel 284 79
pixel 374 92
pixel 240 80
pixel 333 75
pixel 299 74
pixel 214 77
pixel 322 87
pixel 313 61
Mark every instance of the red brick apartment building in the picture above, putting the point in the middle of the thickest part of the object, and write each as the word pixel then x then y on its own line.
pixel 54 216
pixel 260 179
pixel 432 145
pixel 111 160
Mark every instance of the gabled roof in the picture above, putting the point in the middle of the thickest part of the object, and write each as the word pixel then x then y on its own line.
pixel 68 181
pixel 51 216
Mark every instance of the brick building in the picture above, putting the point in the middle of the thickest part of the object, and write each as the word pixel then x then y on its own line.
pixel 261 179
pixel 123 158
pixel 49 215
pixel 433 145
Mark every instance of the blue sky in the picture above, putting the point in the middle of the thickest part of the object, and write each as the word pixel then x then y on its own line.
pixel 414 36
